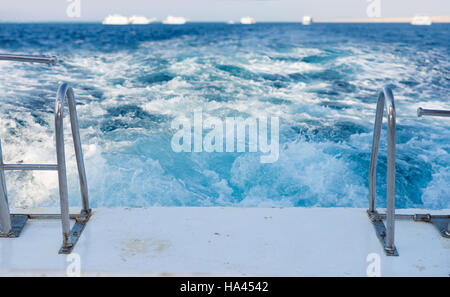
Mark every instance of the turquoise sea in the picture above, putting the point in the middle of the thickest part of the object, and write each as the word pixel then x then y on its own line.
pixel 321 81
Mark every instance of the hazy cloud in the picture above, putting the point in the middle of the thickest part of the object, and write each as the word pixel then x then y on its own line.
pixel 216 10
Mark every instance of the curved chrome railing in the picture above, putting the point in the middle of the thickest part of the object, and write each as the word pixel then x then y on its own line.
pixel 385 98
pixel 65 91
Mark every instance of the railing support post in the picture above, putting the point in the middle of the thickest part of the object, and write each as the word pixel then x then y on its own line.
pixel 78 149
pixel 374 156
pixel 390 207
pixel 62 176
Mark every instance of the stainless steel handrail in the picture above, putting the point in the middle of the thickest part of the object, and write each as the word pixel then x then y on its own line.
pixel 32 59
pixel 65 91
pixel 385 98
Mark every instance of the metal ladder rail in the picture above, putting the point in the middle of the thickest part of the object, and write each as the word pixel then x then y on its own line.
pixel 385 235
pixel 70 237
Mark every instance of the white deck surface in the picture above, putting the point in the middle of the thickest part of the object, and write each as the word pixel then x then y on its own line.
pixel 227 242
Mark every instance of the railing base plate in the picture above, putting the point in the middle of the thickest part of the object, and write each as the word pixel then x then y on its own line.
pixel 75 233
pixel 380 231
pixel 17 224
pixel 441 223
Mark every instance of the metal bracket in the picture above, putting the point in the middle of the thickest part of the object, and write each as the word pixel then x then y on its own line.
pixel 380 231
pixel 75 233
pixel 17 224
pixel 442 224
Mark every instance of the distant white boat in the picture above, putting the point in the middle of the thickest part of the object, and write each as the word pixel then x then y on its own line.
pixel 248 21
pixel 230 22
pixel 307 20
pixel 421 20
pixel 173 20
pixel 140 20
pixel 115 19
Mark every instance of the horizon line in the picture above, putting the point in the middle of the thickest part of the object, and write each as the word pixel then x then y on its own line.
pixel 435 19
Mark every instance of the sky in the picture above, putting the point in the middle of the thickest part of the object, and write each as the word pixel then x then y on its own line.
pixel 216 10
